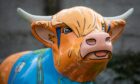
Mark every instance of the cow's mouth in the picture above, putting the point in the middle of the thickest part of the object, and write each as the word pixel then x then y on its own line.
pixel 100 54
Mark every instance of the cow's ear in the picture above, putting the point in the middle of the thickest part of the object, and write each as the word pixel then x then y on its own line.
pixel 115 28
pixel 41 31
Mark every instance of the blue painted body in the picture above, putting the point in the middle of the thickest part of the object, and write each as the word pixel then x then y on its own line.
pixel 37 67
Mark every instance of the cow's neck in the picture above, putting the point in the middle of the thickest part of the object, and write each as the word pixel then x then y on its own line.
pixel 54 74
pixel 78 69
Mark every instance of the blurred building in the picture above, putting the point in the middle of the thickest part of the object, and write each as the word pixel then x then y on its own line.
pixel 15 33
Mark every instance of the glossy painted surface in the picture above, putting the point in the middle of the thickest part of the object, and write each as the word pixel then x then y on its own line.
pixel 25 70
pixel 7 64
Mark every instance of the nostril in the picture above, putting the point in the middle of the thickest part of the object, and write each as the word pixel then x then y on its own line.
pixel 91 41
pixel 108 39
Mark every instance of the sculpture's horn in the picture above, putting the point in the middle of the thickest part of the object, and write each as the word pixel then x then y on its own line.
pixel 30 17
pixel 123 16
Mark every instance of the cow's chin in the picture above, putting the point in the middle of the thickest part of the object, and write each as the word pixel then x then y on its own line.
pixel 85 69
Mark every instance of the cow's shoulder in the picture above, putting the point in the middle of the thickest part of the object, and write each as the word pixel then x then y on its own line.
pixel 7 65
pixel 26 67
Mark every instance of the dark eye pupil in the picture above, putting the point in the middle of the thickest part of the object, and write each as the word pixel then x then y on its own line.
pixel 67 30
pixel 103 26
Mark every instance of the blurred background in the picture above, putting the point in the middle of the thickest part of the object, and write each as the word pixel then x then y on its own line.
pixel 124 68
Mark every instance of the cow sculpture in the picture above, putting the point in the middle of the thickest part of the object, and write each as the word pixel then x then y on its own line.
pixel 80 46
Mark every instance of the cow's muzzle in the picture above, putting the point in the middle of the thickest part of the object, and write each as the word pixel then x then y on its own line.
pixel 96 46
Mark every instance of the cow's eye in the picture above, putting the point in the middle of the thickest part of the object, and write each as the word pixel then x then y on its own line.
pixel 109 27
pixel 103 27
pixel 67 30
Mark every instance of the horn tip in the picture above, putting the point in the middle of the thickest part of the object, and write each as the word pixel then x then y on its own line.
pixel 24 14
pixel 131 10
pixel 19 10
pixel 123 16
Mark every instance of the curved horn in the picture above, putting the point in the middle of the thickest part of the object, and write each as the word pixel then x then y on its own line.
pixel 123 16
pixel 30 17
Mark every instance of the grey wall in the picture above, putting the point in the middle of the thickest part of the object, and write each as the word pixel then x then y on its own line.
pixel 15 33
